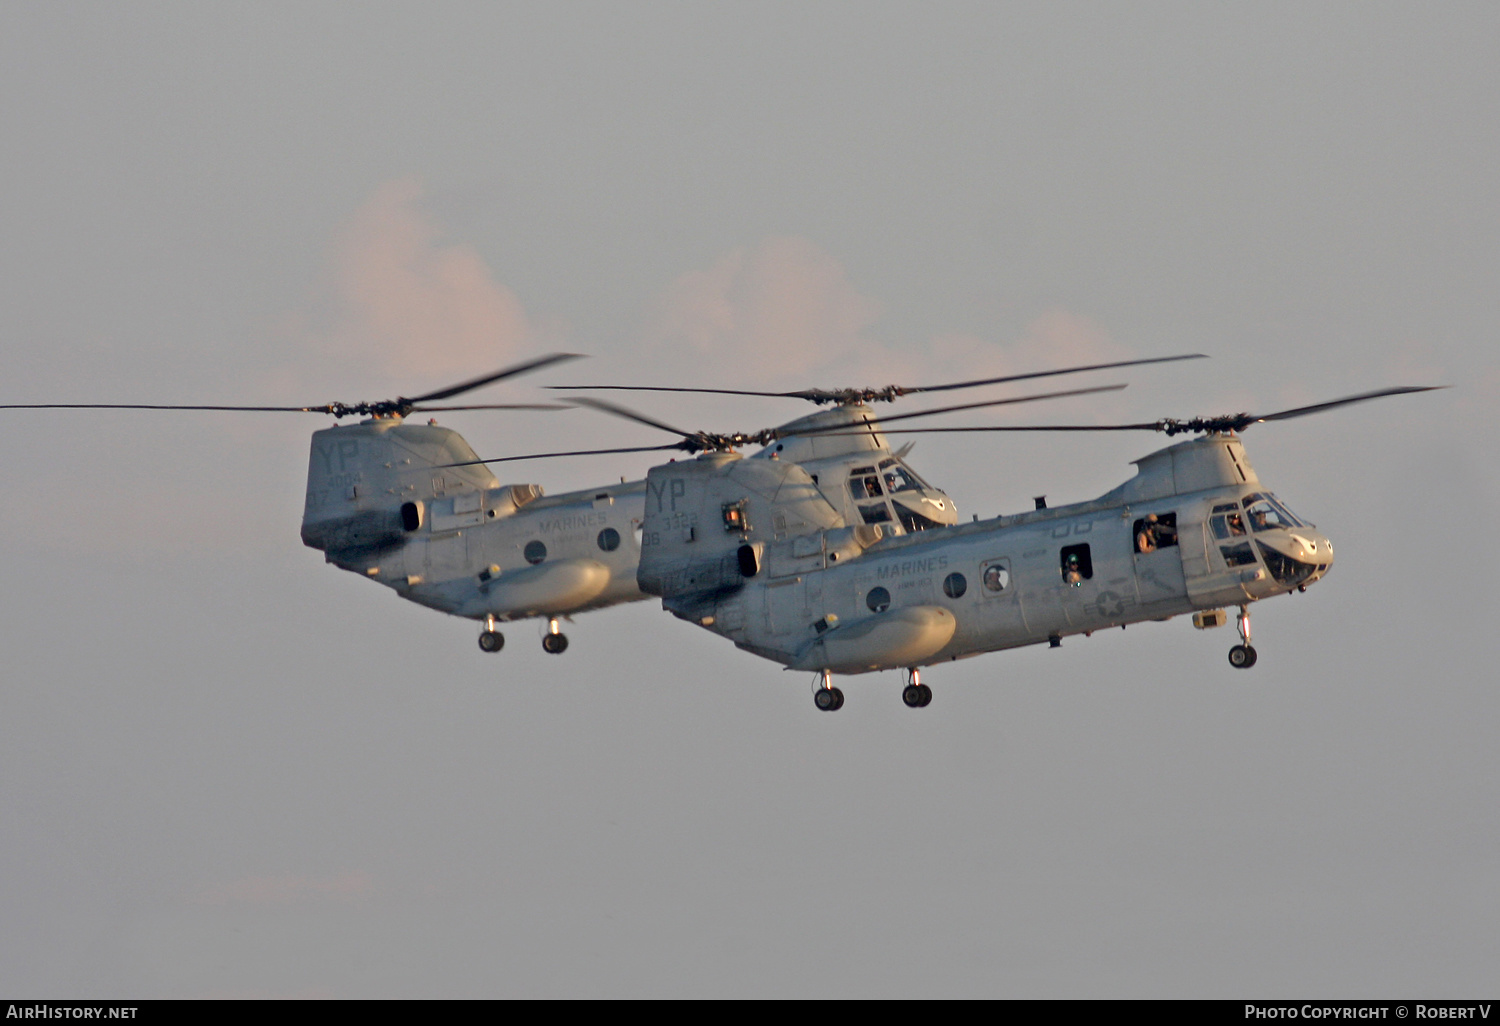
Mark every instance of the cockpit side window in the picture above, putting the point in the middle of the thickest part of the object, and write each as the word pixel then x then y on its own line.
pixel 1291 518
pixel 1228 525
pixel 875 514
pixel 864 483
pixel 1238 555
pixel 1265 516
pixel 899 478
pixel 914 521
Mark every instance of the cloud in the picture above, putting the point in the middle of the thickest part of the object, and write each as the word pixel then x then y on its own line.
pixel 289 889
pixel 404 304
pixel 783 313
pixel 783 307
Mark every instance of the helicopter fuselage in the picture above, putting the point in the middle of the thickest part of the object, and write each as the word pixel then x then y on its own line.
pixel 407 505
pixel 1194 531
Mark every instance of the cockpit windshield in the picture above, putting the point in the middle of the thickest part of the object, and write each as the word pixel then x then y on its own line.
pixel 898 478
pixel 1267 513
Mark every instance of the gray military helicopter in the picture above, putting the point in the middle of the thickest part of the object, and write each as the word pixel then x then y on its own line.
pixel 766 553
pixel 383 502
pixel 412 507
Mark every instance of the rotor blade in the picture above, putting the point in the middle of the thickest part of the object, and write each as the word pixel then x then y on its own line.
pixel 500 375
pixel 145 406
pixel 1054 373
pixel 493 406
pixel 1014 427
pixel 879 422
pixel 620 411
pixel 576 452
pixel 1303 411
pixel 828 395
pixel 667 388
pixel 1231 422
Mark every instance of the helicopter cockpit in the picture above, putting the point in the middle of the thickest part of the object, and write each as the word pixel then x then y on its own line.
pixel 889 491
pixel 1293 552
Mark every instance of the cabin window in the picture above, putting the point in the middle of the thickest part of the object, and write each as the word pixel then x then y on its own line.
pixel 734 515
pixel 1238 555
pixel 876 514
pixel 609 539
pixel 878 599
pixel 954 586
pixel 1077 564
pixel 534 552
pixel 1155 531
pixel 996 577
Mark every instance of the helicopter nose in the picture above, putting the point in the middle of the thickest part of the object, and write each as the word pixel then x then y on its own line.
pixel 1314 549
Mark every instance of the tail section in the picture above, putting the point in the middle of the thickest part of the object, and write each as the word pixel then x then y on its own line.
pixel 370 484
pixel 712 522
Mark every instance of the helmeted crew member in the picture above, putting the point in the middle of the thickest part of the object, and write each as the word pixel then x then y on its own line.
pixel 1145 540
pixel 1072 571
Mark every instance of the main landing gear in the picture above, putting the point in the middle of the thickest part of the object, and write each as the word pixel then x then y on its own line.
pixel 554 642
pixel 825 695
pixel 916 695
pixel 491 640
pixel 1242 657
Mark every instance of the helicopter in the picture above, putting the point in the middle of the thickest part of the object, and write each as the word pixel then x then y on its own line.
pixel 758 551
pixel 411 506
pixel 381 503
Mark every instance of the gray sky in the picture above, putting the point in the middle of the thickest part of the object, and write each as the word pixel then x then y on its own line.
pixel 228 769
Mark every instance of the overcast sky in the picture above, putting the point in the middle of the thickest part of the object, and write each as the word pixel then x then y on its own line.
pixel 229 769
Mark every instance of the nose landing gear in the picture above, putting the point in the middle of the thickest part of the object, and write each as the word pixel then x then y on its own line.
pixel 916 695
pixel 825 695
pixel 1242 657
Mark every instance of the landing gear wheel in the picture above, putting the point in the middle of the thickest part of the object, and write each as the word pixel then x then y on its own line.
pixel 556 644
pixel 916 695
pixel 828 699
pixel 491 641
pixel 1242 657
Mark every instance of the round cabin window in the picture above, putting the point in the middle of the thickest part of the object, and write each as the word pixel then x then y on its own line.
pixel 996 578
pixel 609 539
pixel 954 586
pixel 534 552
pixel 879 600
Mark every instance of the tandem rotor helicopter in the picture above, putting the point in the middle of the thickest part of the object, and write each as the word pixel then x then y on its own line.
pixel 798 566
pixel 411 506
pixel 824 551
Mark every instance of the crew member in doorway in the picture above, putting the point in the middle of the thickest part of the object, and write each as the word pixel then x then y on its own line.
pixel 1072 571
pixel 1155 534
pixel 1146 540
